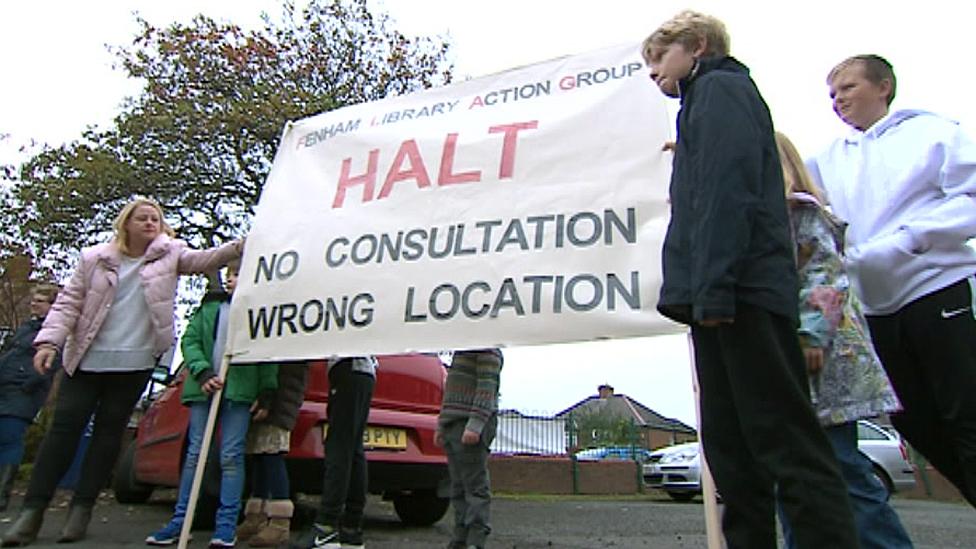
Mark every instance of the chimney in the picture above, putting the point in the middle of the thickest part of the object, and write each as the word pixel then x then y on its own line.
pixel 605 390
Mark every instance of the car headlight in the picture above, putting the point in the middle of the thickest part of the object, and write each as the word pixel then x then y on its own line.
pixel 680 455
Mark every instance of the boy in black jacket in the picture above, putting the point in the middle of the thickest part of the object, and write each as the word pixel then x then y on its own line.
pixel 729 274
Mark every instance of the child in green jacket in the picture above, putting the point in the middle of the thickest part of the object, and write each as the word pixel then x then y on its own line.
pixel 246 390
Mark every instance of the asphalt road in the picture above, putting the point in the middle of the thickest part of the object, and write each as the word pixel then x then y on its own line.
pixel 650 521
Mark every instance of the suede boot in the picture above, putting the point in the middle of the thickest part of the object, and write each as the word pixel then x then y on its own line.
pixel 278 529
pixel 255 518
pixel 76 525
pixel 8 472
pixel 24 530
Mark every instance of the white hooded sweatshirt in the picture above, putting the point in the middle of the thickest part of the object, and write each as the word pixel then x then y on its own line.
pixel 907 188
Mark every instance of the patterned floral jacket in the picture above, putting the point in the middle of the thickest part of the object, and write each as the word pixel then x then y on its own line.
pixel 852 384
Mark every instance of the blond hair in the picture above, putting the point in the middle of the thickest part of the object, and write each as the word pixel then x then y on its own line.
pixel 876 69
pixel 796 178
pixel 122 234
pixel 690 29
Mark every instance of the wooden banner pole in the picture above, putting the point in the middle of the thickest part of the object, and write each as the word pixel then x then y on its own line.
pixel 191 505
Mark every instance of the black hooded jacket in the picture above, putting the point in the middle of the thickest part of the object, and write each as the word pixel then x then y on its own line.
pixel 729 236
pixel 23 390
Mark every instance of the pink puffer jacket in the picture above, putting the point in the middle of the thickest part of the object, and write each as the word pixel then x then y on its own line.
pixel 82 306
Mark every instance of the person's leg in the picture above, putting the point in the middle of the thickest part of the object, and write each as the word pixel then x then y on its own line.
pixel 255 509
pixel 268 444
pixel 276 477
pixel 234 420
pixel 746 488
pixel 12 430
pixel 452 443
pixel 360 389
pixel 258 478
pixel 76 401
pixel 929 352
pixel 473 460
pixel 278 505
pixel 75 404
pixel 117 396
pixel 199 411
pixel 918 423
pixel 878 527
pixel 768 386
pixel 340 442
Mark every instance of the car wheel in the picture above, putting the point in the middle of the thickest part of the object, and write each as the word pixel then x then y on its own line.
pixel 682 496
pixel 420 508
pixel 883 479
pixel 127 489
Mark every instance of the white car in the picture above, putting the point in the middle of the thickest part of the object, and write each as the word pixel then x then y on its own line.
pixel 677 469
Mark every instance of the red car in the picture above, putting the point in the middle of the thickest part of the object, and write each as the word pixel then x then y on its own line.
pixel 404 464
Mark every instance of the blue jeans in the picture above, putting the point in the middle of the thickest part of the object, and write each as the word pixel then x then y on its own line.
pixel 233 420
pixel 12 430
pixel 878 527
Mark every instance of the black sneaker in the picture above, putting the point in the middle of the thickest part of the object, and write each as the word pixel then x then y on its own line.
pixel 351 538
pixel 318 537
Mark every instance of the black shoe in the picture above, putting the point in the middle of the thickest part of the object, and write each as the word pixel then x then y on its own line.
pixel 318 537
pixel 351 538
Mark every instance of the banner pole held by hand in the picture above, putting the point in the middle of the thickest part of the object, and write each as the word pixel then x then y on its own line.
pixel 191 505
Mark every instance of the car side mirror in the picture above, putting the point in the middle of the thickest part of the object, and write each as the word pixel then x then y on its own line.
pixel 160 374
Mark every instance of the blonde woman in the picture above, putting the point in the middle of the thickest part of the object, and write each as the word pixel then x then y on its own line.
pixel 111 322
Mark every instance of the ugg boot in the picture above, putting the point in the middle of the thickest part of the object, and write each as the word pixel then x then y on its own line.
pixel 8 472
pixel 278 529
pixel 24 530
pixel 255 517
pixel 76 526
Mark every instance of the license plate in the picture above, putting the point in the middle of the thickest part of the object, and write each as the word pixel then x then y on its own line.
pixel 386 438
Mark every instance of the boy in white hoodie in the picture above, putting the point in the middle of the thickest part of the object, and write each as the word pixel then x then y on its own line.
pixel 905 181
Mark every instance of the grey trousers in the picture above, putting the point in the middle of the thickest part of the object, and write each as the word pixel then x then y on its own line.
pixel 470 483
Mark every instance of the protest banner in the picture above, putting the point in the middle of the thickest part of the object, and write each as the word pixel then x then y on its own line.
pixel 524 207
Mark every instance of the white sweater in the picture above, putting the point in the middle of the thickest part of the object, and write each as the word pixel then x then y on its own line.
pixel 907 188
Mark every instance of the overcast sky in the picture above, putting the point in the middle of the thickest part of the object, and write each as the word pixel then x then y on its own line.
pixel 58 79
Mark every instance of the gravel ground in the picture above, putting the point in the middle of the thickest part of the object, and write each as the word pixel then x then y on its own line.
pixel 651 521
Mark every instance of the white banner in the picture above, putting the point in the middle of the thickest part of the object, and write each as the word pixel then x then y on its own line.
pixel 525 207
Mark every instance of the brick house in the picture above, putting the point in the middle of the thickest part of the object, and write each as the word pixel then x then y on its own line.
pixel 655 430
